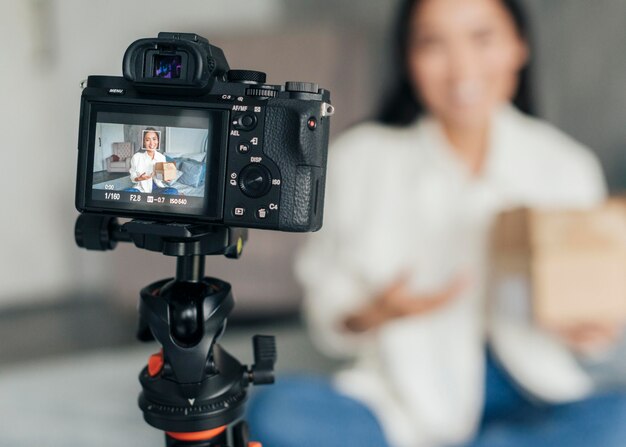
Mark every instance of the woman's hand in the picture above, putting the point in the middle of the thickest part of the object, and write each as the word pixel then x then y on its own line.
pixel 143 177
pixel 399 302
pixel 590 338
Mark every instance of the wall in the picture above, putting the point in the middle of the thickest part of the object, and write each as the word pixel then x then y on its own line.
pixel 106 135
pixel 186 140
pixel 342 44
pixel 581 48
pixel 57 44
pixel 53 45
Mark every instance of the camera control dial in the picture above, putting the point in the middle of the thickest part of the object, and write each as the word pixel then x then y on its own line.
pixel 264 92
pixel 255 180
pixel 247 76
pixel 301 87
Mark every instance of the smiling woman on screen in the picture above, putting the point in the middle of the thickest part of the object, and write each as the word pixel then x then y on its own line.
pixel 142 165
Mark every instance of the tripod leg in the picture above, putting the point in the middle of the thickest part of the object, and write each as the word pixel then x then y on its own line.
pixel 241 436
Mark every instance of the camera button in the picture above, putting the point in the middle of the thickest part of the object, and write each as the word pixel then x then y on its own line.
pixel 243 148
pixel 239 212
pixel 247 121
pixel 262 213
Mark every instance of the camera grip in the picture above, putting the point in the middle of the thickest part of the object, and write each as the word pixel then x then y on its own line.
pixel 300 154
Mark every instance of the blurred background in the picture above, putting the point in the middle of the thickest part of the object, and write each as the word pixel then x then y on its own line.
pixel 70 312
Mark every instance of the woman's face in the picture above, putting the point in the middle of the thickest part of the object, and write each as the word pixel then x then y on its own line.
pixel 151 141
pixel 464 58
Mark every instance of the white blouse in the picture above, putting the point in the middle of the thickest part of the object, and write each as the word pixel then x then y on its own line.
pixel 142 163
pixel 400 202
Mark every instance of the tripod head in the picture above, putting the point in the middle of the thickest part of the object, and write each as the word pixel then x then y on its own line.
pixel 192 389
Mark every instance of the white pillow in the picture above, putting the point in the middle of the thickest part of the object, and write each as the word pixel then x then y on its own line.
pixel 197 157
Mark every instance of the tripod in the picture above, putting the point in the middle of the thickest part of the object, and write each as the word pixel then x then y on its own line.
pixel 192 389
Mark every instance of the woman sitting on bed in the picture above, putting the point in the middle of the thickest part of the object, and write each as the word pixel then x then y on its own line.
pixel 142 166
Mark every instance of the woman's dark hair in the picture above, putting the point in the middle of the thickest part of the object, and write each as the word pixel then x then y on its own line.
pixel 401 106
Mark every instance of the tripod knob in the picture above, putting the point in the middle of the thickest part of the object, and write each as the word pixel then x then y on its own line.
pixel 95 232
pixel 262 372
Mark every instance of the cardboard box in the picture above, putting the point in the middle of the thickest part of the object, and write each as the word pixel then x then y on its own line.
pixel 573 263
pixel 165 171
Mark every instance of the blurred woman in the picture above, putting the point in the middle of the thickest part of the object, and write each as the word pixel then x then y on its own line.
pixel 395 280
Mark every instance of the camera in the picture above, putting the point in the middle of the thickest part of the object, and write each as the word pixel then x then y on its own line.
pixel 183 138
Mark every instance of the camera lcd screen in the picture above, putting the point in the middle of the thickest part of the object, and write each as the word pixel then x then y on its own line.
pixel 156 160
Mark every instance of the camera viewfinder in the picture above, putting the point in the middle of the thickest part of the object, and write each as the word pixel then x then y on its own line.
pixel 167 66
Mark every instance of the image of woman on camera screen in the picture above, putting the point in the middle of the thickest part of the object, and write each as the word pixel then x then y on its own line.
pixel 395 282
pixel 142 166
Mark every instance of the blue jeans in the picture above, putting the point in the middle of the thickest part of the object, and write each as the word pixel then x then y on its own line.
pixel 308 412
pixel 157 190
pixel 302 411
pixel 511 420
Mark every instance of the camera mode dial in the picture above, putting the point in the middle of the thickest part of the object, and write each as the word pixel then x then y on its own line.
pixel 255 180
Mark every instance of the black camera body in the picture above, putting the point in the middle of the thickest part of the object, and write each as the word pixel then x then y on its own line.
pixel 182 138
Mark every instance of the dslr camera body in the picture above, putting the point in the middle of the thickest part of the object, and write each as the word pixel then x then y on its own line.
pixel 182 138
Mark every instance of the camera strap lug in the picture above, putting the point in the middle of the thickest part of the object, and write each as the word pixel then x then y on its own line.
pixel 327 109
